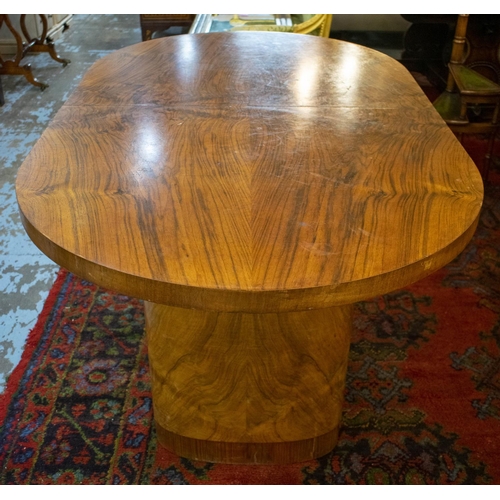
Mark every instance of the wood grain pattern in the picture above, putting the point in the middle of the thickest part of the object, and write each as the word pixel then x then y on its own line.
pixel 244 379
pixel 214 166
pixel 248 453
pixel 250 187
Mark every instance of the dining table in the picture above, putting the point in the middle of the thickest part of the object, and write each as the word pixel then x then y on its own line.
pixel 250 188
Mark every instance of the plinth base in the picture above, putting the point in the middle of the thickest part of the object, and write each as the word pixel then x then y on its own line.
pixel 248 388
pixel 247 453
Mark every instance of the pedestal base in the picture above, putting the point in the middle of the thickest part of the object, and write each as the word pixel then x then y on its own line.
pixel 248 388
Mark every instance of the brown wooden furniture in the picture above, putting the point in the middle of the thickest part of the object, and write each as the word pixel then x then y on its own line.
pixel 2 99
pixel 151 23
pixel 471 102
pixel 428 45
pixel 250 188
pixel 32 44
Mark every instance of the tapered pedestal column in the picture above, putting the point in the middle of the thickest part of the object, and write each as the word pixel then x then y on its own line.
pixel 248 388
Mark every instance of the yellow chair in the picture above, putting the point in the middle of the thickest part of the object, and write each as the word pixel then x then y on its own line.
pixel 305 24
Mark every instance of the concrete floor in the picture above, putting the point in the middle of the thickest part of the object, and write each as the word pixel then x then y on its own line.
pixel 26 275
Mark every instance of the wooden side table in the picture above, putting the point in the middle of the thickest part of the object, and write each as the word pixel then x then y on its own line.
pixel 250 188
pixel 33 44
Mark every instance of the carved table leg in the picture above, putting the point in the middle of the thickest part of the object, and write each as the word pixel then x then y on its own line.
pixel 248 388
pixel 50 48
pixel 12 68
pixel 41 44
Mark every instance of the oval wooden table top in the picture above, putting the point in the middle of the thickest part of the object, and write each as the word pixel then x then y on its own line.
pixel 249 172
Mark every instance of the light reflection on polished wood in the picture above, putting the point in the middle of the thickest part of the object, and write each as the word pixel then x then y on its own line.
pixel 250 185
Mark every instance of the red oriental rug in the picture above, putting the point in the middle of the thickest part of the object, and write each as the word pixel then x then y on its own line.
pixel 422 402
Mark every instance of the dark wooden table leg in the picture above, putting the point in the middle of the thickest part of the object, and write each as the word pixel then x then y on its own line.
pixel 13 66
pixel 41 44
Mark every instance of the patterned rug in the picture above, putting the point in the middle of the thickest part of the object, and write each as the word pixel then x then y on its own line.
pixel 422 402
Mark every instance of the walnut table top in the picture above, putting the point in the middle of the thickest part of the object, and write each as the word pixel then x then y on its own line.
pixel 249 173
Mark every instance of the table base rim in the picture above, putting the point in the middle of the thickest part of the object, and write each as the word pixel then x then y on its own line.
pixel 247 453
